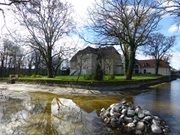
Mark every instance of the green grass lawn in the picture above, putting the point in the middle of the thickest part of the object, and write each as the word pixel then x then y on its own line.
pixel 82 78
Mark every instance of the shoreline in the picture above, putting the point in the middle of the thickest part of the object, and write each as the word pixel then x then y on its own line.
pixel 21 89
pixel 102 85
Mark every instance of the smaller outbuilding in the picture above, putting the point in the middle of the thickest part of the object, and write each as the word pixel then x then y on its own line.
pixel 148 67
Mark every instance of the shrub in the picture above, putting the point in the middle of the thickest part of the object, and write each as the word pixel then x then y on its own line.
pixel 109 77
pixel 33 76
pixel 99 73
pixel 36 76
pixel 12 75
pixel 88 77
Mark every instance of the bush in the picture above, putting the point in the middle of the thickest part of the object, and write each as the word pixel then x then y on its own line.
pixel 109 77
pixel 88 77
pixel 36 76
pixel 99 73
pixel 12 75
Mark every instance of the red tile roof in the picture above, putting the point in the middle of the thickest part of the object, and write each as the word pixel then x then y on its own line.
pixel 151 63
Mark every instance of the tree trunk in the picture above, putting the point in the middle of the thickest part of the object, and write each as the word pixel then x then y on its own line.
pixel 126 63
pixel 50 70
pixel 36 69
pixel 48 126
pixel 157 67
pixel 37 63
pixel 2 67
pixel 49 63
pixel 29 69
pixel 131 64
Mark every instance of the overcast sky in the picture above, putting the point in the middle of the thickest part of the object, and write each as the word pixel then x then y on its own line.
pixel 167 26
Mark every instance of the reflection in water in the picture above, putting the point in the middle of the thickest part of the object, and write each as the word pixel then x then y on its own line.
pixel 50 114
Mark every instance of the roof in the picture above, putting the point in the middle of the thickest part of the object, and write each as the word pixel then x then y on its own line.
pixel 104 51
pixel 151 63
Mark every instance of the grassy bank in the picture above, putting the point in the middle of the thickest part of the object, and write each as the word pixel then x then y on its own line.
pixel 88 79
pixel 108 83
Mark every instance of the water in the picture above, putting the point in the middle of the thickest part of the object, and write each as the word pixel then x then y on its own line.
pixel 50 114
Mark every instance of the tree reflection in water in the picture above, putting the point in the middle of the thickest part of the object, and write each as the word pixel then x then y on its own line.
pixel 52 116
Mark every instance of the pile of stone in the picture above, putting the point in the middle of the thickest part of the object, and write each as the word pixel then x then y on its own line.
pixel 133 119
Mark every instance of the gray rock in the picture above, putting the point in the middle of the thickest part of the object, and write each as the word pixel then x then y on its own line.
pixel 103 110
pixel 156 129
pixel 138 132
pixel 112 105
pixel 146 129
pixel 115 107
pixel 156 118
pixel 123 107
pixel 128 119
pixel 135 121
pixel 119 121
pixel 102 115
pixel 165 130
pixel 107 120
pixel 106 114
pixel 147 113
pixel 116 114
pixel 113 119
pixel 111 112
pixel 130 126
pixel 113 124
pixel 130 113
pixel 130 108
pixel 140 126
pixel 122 116
pixel 141 115
pixel 108 109
pixel 124 102
pixel 136 118
pixel 137 110
pixel 124 111
pixel 155 122
pixel 147 118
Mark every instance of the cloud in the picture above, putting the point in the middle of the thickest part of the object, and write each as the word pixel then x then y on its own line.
pixel 80 10
pixel 174 28
pixel 174 62
pixel 140 55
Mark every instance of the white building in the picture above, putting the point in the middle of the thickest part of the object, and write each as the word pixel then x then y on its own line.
pixel 148 67
pixel 85 61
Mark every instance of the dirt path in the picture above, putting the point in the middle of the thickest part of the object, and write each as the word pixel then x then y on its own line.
pixel 20 90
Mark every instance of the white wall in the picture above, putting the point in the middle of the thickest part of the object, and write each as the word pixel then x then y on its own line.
pixel 161 71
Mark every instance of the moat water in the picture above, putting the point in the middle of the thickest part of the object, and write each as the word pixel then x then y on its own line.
pixel 43 113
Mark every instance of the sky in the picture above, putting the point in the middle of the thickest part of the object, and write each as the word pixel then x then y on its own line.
pixel 168 26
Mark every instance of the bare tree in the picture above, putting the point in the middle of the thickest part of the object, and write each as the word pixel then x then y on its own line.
pixel 30 59
pixel 158 47
pixel 47 21
pixel 10 2
pixel 170 6
pixel 11 56
pixel 126 23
